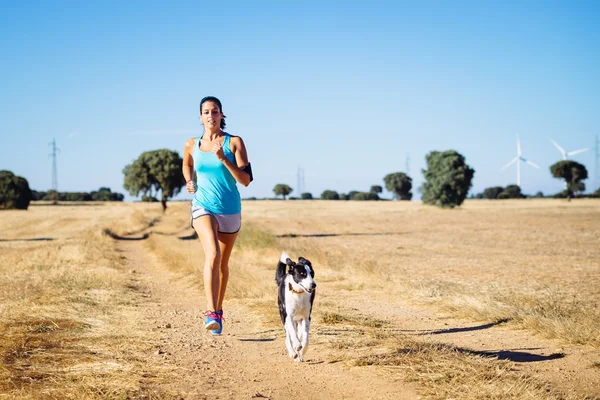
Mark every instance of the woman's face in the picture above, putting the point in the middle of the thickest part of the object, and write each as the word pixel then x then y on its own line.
pixel 211 115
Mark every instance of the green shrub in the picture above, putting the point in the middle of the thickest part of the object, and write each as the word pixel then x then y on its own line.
pixel 14 191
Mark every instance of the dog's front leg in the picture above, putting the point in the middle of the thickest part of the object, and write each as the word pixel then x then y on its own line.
pixel 303 328
pixel 290 329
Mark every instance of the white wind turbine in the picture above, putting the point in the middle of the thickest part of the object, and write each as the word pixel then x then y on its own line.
pixel 518 160
pixel 566 154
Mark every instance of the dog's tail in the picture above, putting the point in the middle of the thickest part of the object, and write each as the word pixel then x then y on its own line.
pixel 281 271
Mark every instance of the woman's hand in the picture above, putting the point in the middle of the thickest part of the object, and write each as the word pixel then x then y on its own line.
pixel 190 186
pixel 218 151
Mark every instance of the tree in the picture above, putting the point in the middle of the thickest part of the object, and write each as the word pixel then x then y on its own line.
pixel 447 179
pixel 400 184
pixel 306 196
pixel 376 189
pixel 511 192
pixel 492 192
pixel 153 171
pixel 282 189
pixel 330 195
pixel 573 173
pixel 14 191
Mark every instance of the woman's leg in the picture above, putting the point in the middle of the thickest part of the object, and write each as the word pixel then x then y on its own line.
pixel 206 227
pixel 226 241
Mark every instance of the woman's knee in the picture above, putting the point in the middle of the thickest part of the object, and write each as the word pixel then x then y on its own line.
pixel 212 258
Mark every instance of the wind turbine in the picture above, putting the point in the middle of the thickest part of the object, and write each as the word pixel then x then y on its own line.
pixel 566 154
pixel 518 160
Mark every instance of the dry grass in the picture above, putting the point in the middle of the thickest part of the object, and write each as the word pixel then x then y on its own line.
pixel 534 262
pixel 66 325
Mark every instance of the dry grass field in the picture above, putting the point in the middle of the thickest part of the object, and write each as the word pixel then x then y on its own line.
pixel 494 300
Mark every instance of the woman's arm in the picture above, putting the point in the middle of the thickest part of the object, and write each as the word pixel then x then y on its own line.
pixel 188 165
pixel 238 149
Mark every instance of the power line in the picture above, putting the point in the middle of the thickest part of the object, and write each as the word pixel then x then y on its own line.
pixel 597 164
pixel 55 150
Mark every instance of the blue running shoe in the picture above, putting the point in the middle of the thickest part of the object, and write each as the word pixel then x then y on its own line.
pixel 213 321
pixel 220 329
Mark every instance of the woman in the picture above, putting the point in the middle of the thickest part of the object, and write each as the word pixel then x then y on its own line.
pixel 220 161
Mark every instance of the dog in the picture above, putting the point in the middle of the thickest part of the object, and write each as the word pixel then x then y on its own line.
pixel 296 296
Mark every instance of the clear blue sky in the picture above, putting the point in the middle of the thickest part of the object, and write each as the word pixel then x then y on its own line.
pixel 345 90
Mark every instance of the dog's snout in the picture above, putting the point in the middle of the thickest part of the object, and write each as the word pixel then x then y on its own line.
pixel 314 285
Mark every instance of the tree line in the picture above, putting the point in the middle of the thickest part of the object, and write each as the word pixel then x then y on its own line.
pixel 15 193
pixel 448 179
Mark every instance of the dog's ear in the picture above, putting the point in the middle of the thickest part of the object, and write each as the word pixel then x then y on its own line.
pixel 290 265
pixel 303 260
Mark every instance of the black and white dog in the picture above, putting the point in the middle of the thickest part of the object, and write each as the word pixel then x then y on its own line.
pixel 296 296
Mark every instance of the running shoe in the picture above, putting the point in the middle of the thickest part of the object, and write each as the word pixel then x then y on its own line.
pixel 213 321
pixel 219 330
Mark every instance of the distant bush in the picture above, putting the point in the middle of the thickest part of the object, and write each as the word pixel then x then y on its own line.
pixel 351 194
pixel 365 196
pixel 74 196
pixel 492 192
pixel 14 191
pixel 35 195
pixel 511 192
pixel 330 195
pixel 376 189
pixel 595 195
pixel 306 196
pixel 344 196
pixel 105 194
pixel 149 199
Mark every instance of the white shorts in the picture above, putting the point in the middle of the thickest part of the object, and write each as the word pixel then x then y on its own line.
pixel 227 223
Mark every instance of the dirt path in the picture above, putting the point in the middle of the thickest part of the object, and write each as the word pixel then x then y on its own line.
pixel 249 361
pixel 245 362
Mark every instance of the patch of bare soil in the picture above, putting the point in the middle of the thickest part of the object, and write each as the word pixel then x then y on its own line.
pixel 247 361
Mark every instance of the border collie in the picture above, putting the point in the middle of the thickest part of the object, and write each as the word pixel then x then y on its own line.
pixel 295 297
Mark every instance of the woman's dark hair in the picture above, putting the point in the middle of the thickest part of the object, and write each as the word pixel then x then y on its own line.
pixel 217 102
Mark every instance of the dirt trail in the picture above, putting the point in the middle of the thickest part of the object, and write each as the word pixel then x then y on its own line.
pixel 249 361
pixel 245 362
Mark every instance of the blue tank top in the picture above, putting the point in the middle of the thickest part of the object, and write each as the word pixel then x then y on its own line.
pixel 217 188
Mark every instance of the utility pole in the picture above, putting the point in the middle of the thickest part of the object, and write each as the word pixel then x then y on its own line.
pixel 300 180
pixel 55 151
pixel 597 164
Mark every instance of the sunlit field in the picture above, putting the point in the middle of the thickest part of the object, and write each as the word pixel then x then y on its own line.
pixel 535 262
pixel 71 323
